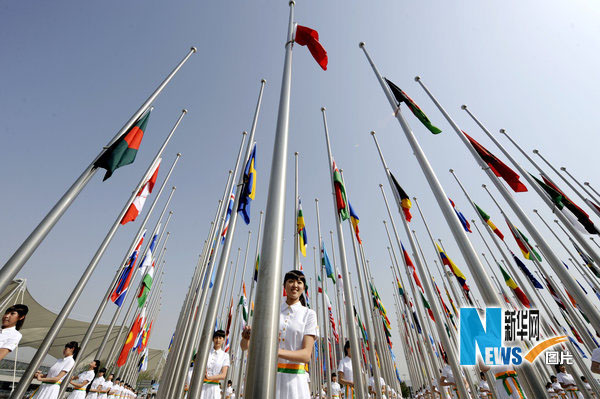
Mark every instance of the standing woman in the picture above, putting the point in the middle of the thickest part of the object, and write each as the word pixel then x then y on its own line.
pixel 106 387
pixel 50 382
pixel 567 382
pixel 81 382
pixel 97 385
pixel 216 368
pixel 297 334
pixel 12 321
pixel 345 372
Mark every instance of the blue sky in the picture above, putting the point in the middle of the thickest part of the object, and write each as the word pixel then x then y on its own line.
pixel 74 72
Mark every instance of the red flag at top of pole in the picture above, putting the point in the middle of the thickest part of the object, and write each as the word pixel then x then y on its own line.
pixel 310 38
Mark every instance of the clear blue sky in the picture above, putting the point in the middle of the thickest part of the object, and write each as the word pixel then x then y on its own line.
pixel 73 72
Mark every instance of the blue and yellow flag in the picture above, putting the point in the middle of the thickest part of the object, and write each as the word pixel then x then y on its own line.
pixel 354 220
pixel 249 189
pixel 301 226
pixel 326 263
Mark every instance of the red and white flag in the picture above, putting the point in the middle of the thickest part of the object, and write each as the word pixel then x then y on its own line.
pixel 138 203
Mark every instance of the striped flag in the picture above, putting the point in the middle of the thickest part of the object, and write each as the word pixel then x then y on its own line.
pixel 118 295
pixel 140 199
pixel 301 229
pixel 487 219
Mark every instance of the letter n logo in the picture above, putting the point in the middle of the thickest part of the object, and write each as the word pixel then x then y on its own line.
pixel 472 332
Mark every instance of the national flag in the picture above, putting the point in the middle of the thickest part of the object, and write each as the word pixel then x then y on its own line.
pixel 402 198
pixel 229 318
pixel 577 216
pixel 140 199
pixel 523 246
pixel 146 286
pixel 400 289
pixel 244 303
pixel 146 337
pixel 451 302
pixel 410 266
pixel 499 168
pixel 301 229
pixel 516 289
pixel 118 295
pixel 131 338
pixel 401 97
pixel 331 319
pixel 554 295
pixel 589 262
pixel 340 194
pixel 460 277
pixel 123 151
pixel 487 219
pixel 310 38
pixel 415 318
pixel 256 267
pixel 326 263
pixel 363 330
pixel 461 217
pixel 428 307
pixel 148 259
pixel 227 216
pixel 143 363
pixel 354 220
pixel 248 191
pixel 526 271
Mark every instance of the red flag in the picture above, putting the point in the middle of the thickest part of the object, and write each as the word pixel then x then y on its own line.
pixel 499 168
pixel 131 337
pixel 310 38
pixel 138 203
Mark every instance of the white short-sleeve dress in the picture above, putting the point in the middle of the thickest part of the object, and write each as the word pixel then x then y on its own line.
pixel 49 390
pixel 217 359
pixel 79 393
pixel 98 382
pixel 571 392
pixel 105 385
pixel 345 366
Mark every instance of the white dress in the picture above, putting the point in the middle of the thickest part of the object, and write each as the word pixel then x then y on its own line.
pixel 345 366
pixel 105 385
pixel 98 381
pixel 114 391
pixel 336 390
pixel 502 382
pixel 572 392
pixel 9 338
pixel 372 384
pixel 79 393
pixel 217 359
pixel 228 392
pixel 484 390
pixel 295 322
pixel 49 390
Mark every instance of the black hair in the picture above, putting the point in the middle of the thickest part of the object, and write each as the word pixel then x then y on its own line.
pixel 551 377
pixel 297 275
pixel 102 370
pixel 333 375
pixel 583 378
pixel 219 333
pixel 96 371
pixel 229 382
pixel 346 347
pixel 75 346
pixel 117 379
pixel 557 367
pixel 22 310
pixel 481 374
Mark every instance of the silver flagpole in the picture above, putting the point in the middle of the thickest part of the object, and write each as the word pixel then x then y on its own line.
pixel 568 183
pixel 339 299
pixel 582 186
pixel 552 258
pixel 438 190
pixel 262 354
pixel 227 303
pixel 323 307
pixel 256 260
pixel 359 384
pixel 587 183
pixel 28 247
pixel 76 293
pixel 296 256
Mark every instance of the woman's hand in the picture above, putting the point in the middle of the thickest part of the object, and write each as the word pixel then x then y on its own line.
pixel 246 332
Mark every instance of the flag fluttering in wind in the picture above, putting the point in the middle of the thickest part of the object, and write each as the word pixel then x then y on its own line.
pixel 554 295
pixel 427 306
pixel 516 289
pixel 123 151
pixel 524 245
pixel 340 194
pixel 499 168
pixel 461 217
pixel 140 199
pixel 487 219
pixel 131 337
pixel 146 286
pixel 326 263
pixel 148 259
pixel 402 198
pixel 401 97
pixel 118 295
pixel 228 215
pixel 354 220
pixel 244 304
pixel 460 277
pixel 310 38
pixel 411 267
pixel 400 288
pixel 248 191
pixel 589 262
pixel 301 229
pixel 146 337
pixel 577 216
pixel 143 363
pixel 256 267
pixel 526 271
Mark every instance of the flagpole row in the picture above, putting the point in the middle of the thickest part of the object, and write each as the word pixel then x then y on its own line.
pixel 587 183
pixel 296 256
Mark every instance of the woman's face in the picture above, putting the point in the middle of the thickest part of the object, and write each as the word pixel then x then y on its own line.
pixel 218 342
pixel 562 368
pixel 10 319
pixel 68 352
pixel 93 364
pixel 294 289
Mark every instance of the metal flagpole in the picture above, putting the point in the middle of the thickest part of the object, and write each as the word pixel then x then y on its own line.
pixel 28 247
pixel 78 289
pixel 296 256
pixel 438 190
pixel 359 384
pixel 552 258
pixel 262 354
pixel 256 260
pixel 227 295
pixel 587 183
pixel 592 196
pixel 339 299
pixel 323 305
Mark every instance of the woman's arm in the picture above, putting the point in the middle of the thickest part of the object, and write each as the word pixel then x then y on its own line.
pixel 3 352
pixel 219 377
pixel 53 379
pixel 302 355
pixel 84 383
pixel 245 341
pixel 344 381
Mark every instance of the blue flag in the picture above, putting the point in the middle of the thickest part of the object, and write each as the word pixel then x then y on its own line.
pixel 326 263
pixel 525 270
pixel 248 191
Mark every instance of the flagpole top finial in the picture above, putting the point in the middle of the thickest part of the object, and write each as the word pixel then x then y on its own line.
pixel 372 132
pixel 563 168
pixel 463 107
pixel 263 81
pixel 415 198
pixel 417 78
pixel 184 111
pixel 380 185
pixel 483 185
pixel 323 109
pixel 316 200
pixel 536 151
pixel 556 221
pixel 451 170
pixel 193 49
pixel 174 187
pixel 244 132
pixel 535 210
pixel 586 183
pixel 292 3
pixel 503 131
pixel 296 153
pixel 361 44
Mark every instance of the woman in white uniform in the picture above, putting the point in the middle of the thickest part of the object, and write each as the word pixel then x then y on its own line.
pixel 106 387
pixel 216 368
pixel 51 381
pixel 484 387
pixel 114 389
pixel 336 388
pixel 297 334
pixel 97 385
pixel 81 382
pixel 588 387
pixel 345 372
pixel 506 382
pixel 567 382
pixel 12 321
